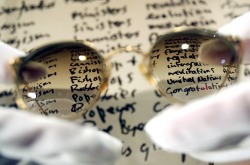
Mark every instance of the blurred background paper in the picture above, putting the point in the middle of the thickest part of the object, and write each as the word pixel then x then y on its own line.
pixel 130 100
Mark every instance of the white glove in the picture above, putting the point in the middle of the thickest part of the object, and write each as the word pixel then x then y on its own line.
pixel 7 53
pixel 215 128
pixel 53 141
pixel 47 140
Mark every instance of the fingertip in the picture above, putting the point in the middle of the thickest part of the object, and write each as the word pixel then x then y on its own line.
pixel 8 51
pixel 238 27
pixel 160 128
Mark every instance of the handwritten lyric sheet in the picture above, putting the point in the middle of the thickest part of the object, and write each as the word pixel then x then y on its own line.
pixel 130 101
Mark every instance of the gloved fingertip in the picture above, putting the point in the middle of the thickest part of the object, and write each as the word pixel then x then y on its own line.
pixel 159 128
pixel 9 51
pixel 240 27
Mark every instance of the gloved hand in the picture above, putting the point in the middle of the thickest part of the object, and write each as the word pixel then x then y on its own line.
pixel 50 141
pixel 215 128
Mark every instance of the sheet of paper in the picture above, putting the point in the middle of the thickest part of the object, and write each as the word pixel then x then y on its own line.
pixel 130 100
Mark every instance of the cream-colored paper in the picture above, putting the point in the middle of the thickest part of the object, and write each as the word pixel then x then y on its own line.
pixel 130 100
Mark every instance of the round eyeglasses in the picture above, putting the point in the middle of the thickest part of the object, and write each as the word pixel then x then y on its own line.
pixel 65 79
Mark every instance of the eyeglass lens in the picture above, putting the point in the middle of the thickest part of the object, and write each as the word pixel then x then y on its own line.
pixel 62 79
pixel 190 66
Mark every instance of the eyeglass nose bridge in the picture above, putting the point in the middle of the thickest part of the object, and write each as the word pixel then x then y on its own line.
pixel 143 66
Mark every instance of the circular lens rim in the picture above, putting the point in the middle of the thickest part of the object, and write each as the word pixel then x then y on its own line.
pixel 189 31
pixel 38 51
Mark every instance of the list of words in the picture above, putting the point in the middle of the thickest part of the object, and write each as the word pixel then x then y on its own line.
pixel 129 102
pixel 86 70
pixel 82 69
pixel 182 73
